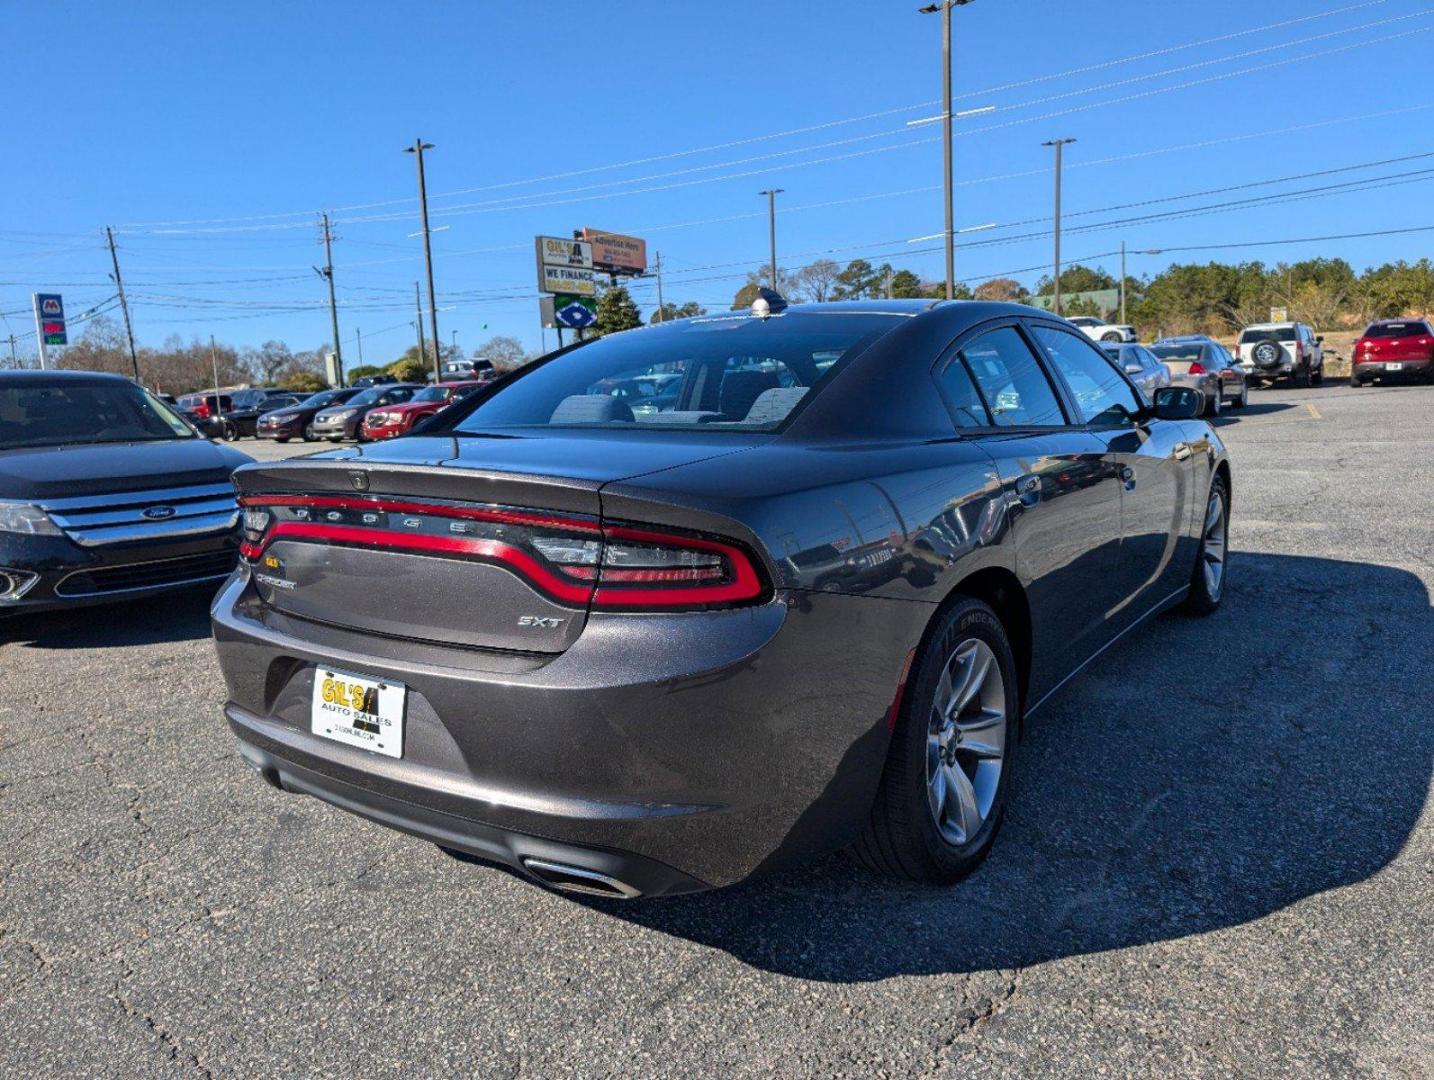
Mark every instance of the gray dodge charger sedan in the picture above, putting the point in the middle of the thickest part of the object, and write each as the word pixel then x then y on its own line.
pixel 807 602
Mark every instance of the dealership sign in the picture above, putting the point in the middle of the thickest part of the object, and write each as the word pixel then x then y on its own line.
pixel 566 279
pixel 616 253
pixel 578 312
pixel 50 318
pixel 556 251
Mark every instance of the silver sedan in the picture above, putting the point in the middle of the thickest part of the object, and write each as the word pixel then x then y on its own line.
pixel 1144 367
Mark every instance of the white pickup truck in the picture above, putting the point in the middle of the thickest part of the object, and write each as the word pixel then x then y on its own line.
pixel 1100 330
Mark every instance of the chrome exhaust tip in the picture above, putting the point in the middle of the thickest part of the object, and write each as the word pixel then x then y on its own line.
pixel 576 879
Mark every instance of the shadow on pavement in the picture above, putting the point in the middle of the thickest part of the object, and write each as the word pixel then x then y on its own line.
pixel 1254 408
pixel 178 616
pixel 1202 775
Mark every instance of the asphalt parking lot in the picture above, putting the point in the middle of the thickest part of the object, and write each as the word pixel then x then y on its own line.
pixel 1220 859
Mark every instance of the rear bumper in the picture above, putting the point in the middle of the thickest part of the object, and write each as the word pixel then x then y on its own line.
pixel 1368 369
pixel 684 751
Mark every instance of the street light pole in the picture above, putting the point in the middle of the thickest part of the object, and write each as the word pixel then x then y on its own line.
pixel 417 149
pixel 950 196
pixel 418 322
pixel 772 194
pixel 1122 282
pixel 1060 145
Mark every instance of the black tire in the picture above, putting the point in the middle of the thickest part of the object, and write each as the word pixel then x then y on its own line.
pixel 902 838
pixel 1244 398
pixel 1202 599
pixel 282 439
pixel 1112 337
pixel 1317 376
pixel 309 436
pixel 1300 380
pixel 230 431
pixel 1212 407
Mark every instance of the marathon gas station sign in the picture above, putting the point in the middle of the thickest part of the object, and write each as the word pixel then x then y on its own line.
pixel 50 318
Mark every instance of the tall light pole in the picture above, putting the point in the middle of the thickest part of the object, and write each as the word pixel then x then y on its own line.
pixel 417 149
pixel 1059 144
pixel 327 273
pixel 950 198
pixel 772 194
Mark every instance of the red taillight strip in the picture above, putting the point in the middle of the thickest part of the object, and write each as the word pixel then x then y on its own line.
pixel 745 584
pixel 405 506
pixel 493 551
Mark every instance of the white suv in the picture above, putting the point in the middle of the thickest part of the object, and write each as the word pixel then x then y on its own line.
pixel 1270 351
pixel 1100 330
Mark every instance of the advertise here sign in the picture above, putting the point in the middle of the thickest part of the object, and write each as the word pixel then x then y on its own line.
pixel 617 253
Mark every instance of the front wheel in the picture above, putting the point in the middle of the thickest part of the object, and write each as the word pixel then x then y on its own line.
pixel 231 431
pixel 1207 580
pixel 1112 337
pixel 948 770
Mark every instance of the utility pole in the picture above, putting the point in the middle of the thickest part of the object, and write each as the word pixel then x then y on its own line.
pixel 886 277
pixel 214 362
pixel 950 198
pixel 327 273
pixel 1060 145
pixel 418 322
pixel 39 330
pixel 657 267
pixel 124 305
pixel 772 194
pixel 358 336
pixel 14 363
pixel 417 149
pixel 1122 282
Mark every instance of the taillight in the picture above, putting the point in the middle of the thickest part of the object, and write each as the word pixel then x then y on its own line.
pixel 1197 368
pixel 572 560
pixel 202 410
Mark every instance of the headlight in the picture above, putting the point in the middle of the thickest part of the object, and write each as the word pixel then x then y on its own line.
pixel 378 418
pixel 342 414
pixel 27 520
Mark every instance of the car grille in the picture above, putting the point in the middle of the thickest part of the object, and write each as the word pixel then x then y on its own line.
pixel 137 516
pixel 149 575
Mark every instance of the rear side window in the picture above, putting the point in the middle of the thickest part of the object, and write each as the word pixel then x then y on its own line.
pixel 962 396
pixel 1101 394
pixel 1011 380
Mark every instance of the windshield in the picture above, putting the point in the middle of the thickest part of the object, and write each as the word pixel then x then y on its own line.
pixel 1282 333
pixel 1396 330
pixel 432 393
pixel 732 373
pixel 69 413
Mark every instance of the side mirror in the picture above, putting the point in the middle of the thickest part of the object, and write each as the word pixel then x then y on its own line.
pixel 1178 403
pixel 1133 369
pixel 1319 340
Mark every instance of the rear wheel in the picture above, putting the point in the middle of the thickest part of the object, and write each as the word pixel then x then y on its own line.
pixel 1212 407
pixel 231 431
pixel 1207 580
pixel 943 790
pixel 1112 336
pixel 1301 379
pixel 1317 376
pixel 1244 398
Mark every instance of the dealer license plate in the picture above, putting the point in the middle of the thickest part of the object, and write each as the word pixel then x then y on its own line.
pixel 358 710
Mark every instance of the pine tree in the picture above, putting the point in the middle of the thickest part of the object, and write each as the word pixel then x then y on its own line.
pixel 617 311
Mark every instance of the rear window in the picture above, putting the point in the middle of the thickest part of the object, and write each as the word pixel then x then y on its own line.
pixel 1396 330
pixel 720 374
pixel 1254 337
pixel 1180 354
pixel 68 413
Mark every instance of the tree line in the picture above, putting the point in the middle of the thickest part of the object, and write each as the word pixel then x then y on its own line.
pixel 1211 298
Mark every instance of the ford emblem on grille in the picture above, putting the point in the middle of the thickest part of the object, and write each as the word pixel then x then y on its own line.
pixel 159 513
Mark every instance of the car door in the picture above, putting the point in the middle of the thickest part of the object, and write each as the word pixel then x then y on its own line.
pixel 1152 460
pixel 1062 496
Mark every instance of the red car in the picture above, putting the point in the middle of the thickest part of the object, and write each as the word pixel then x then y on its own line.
pixel 387 421
pixel 1400 347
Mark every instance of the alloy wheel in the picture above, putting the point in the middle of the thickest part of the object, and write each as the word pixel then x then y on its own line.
pixel 966 741
pixel 1212 547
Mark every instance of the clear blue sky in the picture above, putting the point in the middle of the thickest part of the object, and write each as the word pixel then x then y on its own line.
pixel 140 113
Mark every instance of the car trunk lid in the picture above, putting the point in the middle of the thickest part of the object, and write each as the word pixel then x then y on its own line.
pixel 471 542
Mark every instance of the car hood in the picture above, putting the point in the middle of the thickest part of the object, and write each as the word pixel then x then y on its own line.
pixel 58 471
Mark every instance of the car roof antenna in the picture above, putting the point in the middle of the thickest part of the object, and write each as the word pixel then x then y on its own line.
pixel 769 302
